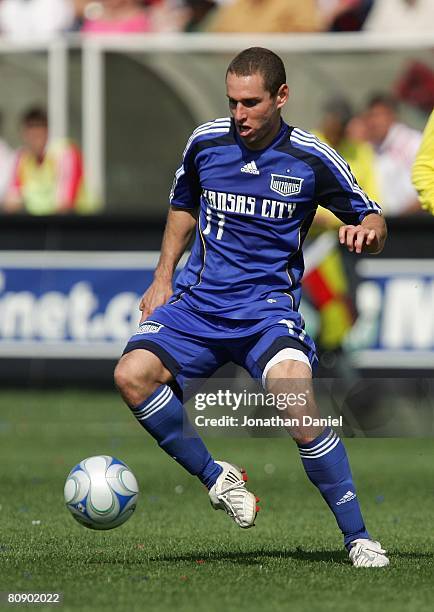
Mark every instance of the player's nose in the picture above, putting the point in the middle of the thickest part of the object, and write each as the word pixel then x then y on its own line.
pixel 240 113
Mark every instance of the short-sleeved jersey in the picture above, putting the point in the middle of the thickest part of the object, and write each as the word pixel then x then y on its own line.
pixel 254 211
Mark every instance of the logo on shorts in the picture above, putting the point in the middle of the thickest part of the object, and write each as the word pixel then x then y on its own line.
pixel 286 185
pixel 149 327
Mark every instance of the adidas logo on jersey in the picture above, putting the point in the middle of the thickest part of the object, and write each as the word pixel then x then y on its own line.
pixel 250 168
pixel 349 495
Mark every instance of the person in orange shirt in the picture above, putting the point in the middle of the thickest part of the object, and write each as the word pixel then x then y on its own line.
pixel 48 177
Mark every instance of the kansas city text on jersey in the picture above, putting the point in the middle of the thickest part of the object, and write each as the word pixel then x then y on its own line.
pixel 248 205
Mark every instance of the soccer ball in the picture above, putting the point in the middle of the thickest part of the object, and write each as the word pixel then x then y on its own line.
pixel 101 492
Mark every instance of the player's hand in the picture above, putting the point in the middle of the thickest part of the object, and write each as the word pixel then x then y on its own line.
pixel 358 238
pixel 156 295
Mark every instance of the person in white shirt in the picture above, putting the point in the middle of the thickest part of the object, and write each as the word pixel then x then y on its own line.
pixel 396 146
pixel 409 16
pixel 35 19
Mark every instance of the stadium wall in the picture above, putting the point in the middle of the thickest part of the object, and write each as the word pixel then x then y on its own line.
pixel 70 287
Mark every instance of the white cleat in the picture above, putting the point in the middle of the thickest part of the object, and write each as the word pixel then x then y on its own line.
pixel 229 493
pixel 368 553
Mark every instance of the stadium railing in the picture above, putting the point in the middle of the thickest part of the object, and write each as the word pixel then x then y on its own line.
pixel 74 76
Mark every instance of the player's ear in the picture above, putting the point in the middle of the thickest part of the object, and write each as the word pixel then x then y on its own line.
pixel 282 95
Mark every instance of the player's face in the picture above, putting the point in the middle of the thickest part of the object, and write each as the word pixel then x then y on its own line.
pixel 256 113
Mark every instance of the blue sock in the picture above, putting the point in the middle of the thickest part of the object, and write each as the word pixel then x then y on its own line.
pixel 163 416
pixel 326 463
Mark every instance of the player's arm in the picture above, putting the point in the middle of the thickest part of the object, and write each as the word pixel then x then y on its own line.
pixel 368 237
pixel 179 228
pixel 181 222
pixel 364 228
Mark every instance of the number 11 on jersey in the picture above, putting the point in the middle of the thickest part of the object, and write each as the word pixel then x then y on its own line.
pixel 220 224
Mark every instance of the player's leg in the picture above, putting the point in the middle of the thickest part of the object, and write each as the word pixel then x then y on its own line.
pixel 325 460
pixel 282 359
pixel 321 450
pixel 142 380
pixel 160 354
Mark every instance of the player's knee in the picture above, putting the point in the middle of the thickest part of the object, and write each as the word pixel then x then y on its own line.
pixel 290 369
pixel 138 374
pixel 306 436
pixel 134 383
pixel 122 375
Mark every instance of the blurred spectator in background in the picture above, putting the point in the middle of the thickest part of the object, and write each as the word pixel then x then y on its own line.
pixel 333 129
pixel 47 178
pixel 290 15
pixel 407 16
pixel 395 145
pixel 6 164
pixel 326 284
pixel 177 15
pixel 266 16
pixel 356 129
pixel 198 12
pixel 415 86
pixel 117 16
pixel 423 169
pixel 32 19
pixel 135 16
pixel 345 15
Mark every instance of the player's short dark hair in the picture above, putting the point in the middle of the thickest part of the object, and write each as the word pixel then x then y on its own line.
pixel 383 99
pixel 257 59
pixel 35 116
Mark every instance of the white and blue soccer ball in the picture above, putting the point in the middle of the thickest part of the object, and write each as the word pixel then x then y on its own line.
pixel 101 492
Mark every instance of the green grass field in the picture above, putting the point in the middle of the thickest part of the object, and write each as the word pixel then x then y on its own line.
pixel 176 553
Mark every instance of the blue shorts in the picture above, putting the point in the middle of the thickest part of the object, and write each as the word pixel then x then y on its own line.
pixel 191 344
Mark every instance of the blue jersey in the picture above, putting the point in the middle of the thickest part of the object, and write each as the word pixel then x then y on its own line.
pixel 254 211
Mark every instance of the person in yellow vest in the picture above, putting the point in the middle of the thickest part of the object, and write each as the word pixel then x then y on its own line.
pixel 326 284
pixel 359 155
pixel 48 177
pixel 423 168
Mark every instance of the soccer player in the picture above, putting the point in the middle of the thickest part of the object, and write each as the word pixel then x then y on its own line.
pixel 248 186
